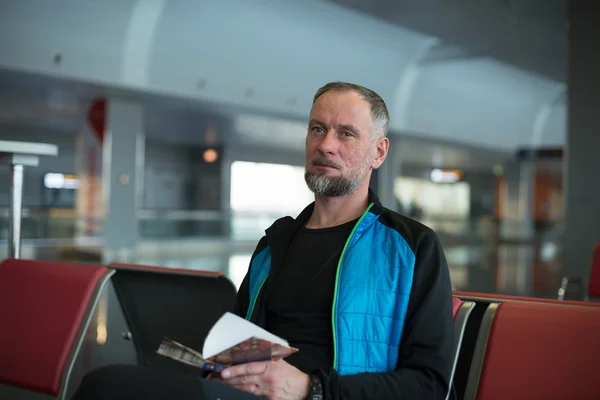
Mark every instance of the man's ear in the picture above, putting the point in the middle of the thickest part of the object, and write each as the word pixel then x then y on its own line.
pixel 382 145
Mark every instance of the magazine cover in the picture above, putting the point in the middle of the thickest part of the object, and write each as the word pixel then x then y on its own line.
pixel 253 349
pixel 250 350
pixel 177 351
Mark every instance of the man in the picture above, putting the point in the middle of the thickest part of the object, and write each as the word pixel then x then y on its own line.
pixel 362 292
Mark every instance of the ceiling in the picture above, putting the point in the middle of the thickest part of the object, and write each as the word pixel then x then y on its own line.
pixel 529 34
pixel 477 95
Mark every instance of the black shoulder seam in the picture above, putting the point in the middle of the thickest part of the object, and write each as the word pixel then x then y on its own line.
pixel 412 231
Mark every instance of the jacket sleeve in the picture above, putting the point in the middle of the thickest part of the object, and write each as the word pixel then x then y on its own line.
pixel 243 295
pixel 425 354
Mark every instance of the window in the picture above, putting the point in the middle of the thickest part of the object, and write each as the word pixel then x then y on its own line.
pixel 261 193
pixel 268 188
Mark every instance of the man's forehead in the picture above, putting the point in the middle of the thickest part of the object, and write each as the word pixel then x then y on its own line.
pixel 346 105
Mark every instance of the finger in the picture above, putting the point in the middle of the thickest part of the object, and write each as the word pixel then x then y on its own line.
pixel 253 368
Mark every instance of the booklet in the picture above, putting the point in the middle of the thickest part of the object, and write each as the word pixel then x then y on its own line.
pixel 231 341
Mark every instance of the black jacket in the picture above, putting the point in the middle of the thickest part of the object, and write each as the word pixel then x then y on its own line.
pixel 426 350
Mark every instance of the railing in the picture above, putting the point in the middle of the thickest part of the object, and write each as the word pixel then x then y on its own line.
pixel 510 252
pixel 51 225
pixel 44 224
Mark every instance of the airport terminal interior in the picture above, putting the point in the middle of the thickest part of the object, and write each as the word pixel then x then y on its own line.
pixel 172 134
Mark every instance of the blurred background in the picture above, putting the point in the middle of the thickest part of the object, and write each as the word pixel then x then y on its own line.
pixel 181 124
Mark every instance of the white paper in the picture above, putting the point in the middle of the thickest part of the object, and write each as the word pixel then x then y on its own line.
pixel 231 330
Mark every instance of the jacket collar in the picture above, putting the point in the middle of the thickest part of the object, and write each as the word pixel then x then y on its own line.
pixel 281 233
pixel 287 226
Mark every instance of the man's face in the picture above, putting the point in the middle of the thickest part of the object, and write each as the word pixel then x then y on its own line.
pixel 340 148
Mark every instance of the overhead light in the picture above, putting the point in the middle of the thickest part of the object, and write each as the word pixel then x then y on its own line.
pixel 210 156
pixel 445 176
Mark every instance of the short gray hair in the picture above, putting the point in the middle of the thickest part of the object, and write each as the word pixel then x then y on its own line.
pixel 379 111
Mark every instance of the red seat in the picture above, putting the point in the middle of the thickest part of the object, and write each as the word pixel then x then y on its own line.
pixel 536 351
pixel 45 309
pixel 499 298
pixel 594 284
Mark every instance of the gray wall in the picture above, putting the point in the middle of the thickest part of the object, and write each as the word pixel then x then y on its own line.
pixel 177 178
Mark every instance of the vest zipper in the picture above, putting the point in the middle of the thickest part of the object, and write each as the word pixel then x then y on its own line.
pixel 251 310
pixel 337 282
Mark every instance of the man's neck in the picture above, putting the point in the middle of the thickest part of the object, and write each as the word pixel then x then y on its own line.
pixel 334 211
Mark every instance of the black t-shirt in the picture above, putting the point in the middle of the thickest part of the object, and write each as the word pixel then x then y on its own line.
pixel 299 306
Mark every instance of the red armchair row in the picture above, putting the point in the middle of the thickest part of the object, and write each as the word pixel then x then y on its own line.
pixel 505 346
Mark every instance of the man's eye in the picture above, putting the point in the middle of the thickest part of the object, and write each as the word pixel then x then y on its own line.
pixel 317 129
pixel 347 134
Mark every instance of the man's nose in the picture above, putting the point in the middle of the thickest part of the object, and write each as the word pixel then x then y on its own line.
pixel 328 143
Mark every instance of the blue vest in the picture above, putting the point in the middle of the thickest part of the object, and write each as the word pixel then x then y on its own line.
pixel 373 282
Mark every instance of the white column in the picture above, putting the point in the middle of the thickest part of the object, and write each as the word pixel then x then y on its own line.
pixel 122 176
pixel 18 155
pixel 15 210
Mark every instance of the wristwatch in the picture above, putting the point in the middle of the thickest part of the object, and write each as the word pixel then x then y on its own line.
pixel 315 388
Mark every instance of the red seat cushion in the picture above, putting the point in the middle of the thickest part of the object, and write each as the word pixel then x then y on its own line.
pixel 542 351
pixel 594 286
pixel 456 303
pixel 493 297
pixel 42 306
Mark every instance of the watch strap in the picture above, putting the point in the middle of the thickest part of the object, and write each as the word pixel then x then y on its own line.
pixel 316 388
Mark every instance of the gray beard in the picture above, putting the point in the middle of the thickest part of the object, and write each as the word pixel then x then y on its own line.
pixel 330 186
pixel 335 186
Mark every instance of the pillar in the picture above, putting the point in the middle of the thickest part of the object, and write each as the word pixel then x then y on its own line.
pixel 515 212
pixel 15 210
pixel 226 224
pixel 515 197
pixel 122 179
pixel 582 161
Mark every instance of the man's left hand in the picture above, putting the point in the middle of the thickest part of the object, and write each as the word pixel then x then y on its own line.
pixel 274 380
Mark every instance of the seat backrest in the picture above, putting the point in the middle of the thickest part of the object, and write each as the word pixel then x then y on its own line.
pixel 166 270
pixel 536 351
pixel 181 304
pixel 45 308
pixel 461 310
pixel 594 284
